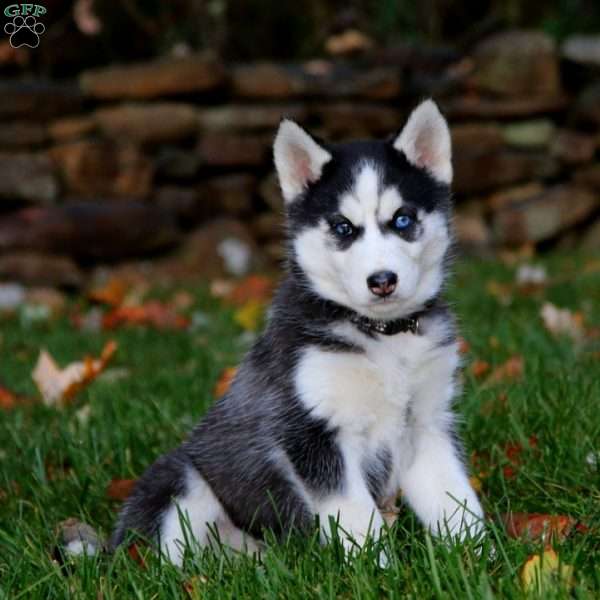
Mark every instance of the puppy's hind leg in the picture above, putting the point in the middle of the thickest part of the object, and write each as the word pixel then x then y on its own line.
pixel 173 506
pixel 196 518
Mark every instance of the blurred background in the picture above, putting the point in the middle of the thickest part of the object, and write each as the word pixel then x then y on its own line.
pixel 135 136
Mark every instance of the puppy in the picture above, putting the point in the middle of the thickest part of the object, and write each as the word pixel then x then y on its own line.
pixel 346 397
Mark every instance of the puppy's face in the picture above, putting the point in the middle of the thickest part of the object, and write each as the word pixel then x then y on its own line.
pixel 369 221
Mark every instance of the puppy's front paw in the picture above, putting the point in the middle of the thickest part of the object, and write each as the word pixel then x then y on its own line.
pixel 461 521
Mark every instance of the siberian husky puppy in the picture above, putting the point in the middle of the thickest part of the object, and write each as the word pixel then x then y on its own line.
pixel 346 397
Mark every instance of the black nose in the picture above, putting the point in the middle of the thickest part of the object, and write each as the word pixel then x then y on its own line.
pixel 382 283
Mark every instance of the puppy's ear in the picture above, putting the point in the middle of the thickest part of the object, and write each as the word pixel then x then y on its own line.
pixel 299 159
pixel 425 141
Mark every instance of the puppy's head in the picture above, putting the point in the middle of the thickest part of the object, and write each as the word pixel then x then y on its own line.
pixel 369 221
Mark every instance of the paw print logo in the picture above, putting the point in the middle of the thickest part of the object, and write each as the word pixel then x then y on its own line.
pixel 24 31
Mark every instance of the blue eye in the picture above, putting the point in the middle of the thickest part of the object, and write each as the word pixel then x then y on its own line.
pixel 343 229
pixel 402 222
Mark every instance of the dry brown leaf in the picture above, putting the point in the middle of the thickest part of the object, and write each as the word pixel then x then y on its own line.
pixel 58 386
pixel 221 288
pixel 120 489
pixel 182 300
pixel 136 555
pixel 561 321
pixel 153 313
pixel 194 586
pixel 503 292
pixel 537 526
pixel 479 368
pixel 513 452
pixel 254 288
pixel 112 293
pixel 510 370
pixel 463 345
pixel 8 400
pixel 224 382
pixel 513 257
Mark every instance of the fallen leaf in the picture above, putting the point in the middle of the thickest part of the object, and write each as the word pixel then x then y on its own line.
pixel 120 489
pixel 510 370
pixel 531 275
pixel 463 346
pixel 502 292
pixel 561 321
pixel 8 400
pixel 495 405
pixel 194 586
pixel 153 313
pixel 182 300
pixel 512 257
pixel 221 288
pixel 136 555
pixel 513 452
pixel 254 288
pixel 224 382
pixel 250 315
pixel 58 386
pixel 476 483
pixel 582 528
pixel 479 368
pixel 112 293
pixel 537 526
pixel 543 571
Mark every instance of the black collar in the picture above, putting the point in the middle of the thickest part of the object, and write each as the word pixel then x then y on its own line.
pixel 371 326
pixel 411 324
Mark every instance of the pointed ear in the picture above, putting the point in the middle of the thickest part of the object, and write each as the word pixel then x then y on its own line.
pixel 425 140
pixel 299 160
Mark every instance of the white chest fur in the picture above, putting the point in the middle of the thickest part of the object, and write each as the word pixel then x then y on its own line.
pixel 372 398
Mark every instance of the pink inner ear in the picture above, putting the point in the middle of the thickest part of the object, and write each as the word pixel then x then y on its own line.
pixel 302 169
pixel 425 153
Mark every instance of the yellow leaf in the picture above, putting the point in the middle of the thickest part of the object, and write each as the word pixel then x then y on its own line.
pixel 475 483
pixel 541 571
pixel 250 315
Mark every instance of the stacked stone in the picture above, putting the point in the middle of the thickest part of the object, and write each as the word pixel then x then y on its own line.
pixel 174 155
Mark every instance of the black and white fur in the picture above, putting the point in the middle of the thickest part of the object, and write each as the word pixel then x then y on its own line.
pixel 326 419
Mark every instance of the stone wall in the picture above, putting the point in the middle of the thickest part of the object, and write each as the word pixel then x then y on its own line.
pixel 171 160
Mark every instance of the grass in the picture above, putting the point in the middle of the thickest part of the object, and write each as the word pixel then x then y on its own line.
pixel 54 466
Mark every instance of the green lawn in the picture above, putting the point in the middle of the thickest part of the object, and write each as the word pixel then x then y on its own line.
pixel 54 466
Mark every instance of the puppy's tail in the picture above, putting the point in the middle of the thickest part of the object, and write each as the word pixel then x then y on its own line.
pixel 143 511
